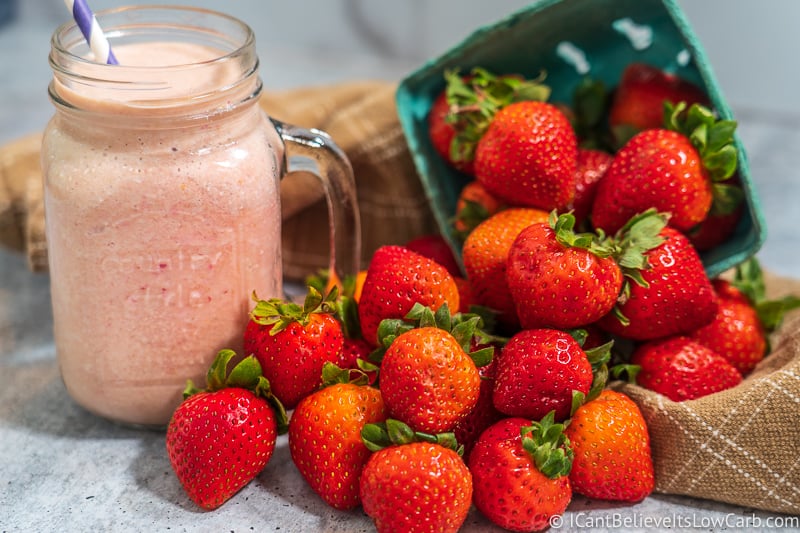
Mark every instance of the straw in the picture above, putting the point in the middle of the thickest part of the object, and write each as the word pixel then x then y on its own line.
pixel 91 30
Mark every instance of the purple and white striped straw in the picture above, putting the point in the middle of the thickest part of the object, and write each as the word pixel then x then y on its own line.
pixel 91 30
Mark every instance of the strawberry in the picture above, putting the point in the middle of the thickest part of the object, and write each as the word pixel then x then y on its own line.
pixel 414 485
pixel 520 473
pixel 528 156
pixel 474 205
pixel 221 437
pixel 591 167
pixel 325 435
pixel 485 254
pixel 638 102
pixel 736 332
pixel 436 248
pixel 745 317
pixel 460 114
pixel 679 170
pixel 292 343
pixel 612 458
pixel 442 132
pixel 682 369
pixel 561 279
pixel 538 371
pixel 483 415
pixel 668 291
pixel 427 378
pixel 397 278
pixel 464 294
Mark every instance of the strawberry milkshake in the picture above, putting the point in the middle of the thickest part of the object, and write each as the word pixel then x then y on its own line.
pixel 163 216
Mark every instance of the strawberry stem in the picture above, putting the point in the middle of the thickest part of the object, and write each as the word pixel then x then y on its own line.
pixel 392 432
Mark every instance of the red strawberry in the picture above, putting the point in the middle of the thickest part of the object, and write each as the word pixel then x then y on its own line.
pixel 397 278
pixel 483 415
pixel 721 221
pixel 485 254
pixel 220 438
pixel 638 102
pixel 519 472
pixel 442 132
pixel 681 369
pixel 325 436
pixel 461 113
pixel 678 170
pixel 538 371
pixel 352 351
pixel 672 293
pixel 292 343
pixel 612 458
pixel 528 156
pixel 561 279
pixel 427 380
pixel 736 333
pixel 591 166
pixel 436 248
pixel 465 299
pixel 413 485
pixel 474 205
pixel 744 319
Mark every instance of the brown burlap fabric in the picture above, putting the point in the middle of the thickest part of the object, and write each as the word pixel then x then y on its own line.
pixel 740 446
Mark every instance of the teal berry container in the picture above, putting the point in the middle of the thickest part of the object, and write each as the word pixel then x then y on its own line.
pixel 569 40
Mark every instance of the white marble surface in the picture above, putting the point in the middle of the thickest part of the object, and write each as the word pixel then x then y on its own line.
pixel 63 469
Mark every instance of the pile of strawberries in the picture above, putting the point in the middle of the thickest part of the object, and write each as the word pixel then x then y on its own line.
pixel 417 389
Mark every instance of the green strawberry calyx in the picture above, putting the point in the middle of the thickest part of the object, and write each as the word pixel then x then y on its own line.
pixel 475 99
pixel 377 436
pixel 280 314
pixel 345 307
pixel 713 139
pixel 333 374
pixel 246 374
pixel 466 328
pixel 563 226
pixel 549 446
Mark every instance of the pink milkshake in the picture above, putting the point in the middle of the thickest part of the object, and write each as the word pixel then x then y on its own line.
pixel 163 217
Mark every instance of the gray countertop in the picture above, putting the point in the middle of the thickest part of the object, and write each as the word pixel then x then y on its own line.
pixel 64 469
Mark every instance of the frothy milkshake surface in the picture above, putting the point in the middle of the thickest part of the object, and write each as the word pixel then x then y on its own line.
pixel 157 236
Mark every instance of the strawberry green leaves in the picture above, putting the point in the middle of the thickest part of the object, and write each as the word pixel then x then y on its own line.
pixel 550 448
pixel 713 139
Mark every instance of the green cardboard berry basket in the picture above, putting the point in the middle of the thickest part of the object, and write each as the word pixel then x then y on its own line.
pixel 570 39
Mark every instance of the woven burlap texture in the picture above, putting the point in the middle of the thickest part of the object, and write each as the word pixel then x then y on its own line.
pixel 739 446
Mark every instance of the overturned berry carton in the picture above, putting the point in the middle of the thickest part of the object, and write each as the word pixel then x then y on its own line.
pixel 570 43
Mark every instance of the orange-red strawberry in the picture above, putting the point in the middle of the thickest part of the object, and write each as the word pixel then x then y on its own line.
pixel 427 380
pixel 415 485
pixel 528 156
pixel 474 205
pixel 325 436
pixel 591 167
pixel 293 343
pixel 671 293
pixel 561 279
pixel 435 247
pixel 485 254
pixel 611 444
pixel 638 102
pixel 520 473
pixel 538 371
pixel 397 278
pixel 682 369
pixel 220 438
pixel 678 169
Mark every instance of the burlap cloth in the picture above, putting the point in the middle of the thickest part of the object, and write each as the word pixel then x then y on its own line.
pixel 740 446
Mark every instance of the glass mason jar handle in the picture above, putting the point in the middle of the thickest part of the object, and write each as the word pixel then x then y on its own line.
pixel 313 151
